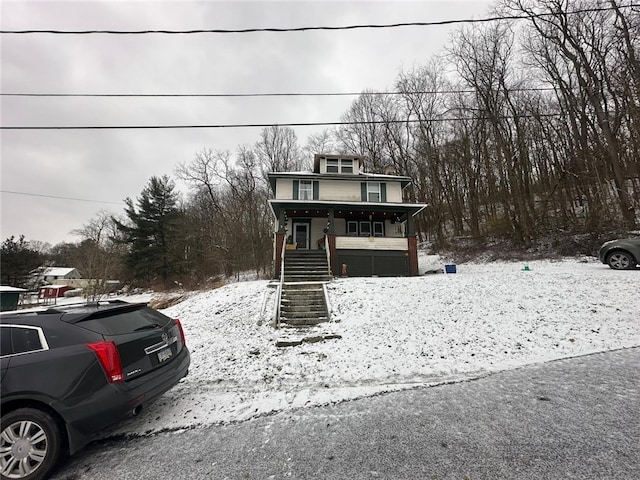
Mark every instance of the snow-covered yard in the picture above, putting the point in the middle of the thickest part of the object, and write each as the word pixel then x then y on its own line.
pixel 396 333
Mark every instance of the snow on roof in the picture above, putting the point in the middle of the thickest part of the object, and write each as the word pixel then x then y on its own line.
pixel 57 271
pixel 6 289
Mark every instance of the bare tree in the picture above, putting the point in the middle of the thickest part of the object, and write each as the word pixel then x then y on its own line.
pixel 584 43
pixel 228 208
pixel 278 150
pixel 98 256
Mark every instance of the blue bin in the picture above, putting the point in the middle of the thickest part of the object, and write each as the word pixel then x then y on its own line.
pixel 450 268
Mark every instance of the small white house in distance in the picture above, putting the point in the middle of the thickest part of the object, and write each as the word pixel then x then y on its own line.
pixel 49 275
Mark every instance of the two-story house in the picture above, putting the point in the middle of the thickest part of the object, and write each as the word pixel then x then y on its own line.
pixel 358 218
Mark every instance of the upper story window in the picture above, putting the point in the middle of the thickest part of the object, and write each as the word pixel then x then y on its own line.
pixel 341 165
pixel 346 165
pixel 373 192
pixel 333 165
pixel 305 190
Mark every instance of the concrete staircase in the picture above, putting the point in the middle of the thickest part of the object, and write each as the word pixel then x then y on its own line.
pixel 302 302
pixel 303 309
pixel 306 266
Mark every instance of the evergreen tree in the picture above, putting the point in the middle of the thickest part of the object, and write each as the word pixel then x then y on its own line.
pixel 152 232
pixel 17 259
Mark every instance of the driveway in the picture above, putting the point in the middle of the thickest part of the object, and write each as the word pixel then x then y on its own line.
pixel 569 419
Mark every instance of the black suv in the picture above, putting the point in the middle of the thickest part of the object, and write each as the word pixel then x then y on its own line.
pixel 69 372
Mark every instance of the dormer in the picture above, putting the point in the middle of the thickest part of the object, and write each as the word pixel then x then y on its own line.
pixel 338 164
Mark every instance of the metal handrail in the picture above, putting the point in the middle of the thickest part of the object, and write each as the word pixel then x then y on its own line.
pixel 328 253
pixel 327 303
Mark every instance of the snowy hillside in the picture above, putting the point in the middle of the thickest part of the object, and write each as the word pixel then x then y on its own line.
pixel 396 333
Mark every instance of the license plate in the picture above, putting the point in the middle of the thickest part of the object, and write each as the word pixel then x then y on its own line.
pixel 164 355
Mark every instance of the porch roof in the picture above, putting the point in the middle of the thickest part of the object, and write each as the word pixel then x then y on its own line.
pixel 315 208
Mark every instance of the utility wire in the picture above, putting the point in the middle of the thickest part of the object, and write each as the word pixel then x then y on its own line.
pixel 311 28
pixel 59 198
pixel 232 95
pixel 262 125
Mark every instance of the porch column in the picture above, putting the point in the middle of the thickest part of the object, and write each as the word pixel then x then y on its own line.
pixel 282 222
pixel 411 228
pixel 331 224
pixel 277 252
pixel 412 245
pixel 331 240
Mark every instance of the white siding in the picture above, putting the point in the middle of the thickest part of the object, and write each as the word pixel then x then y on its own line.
pixel 341 191
pixel 317 226
pixel 284 189
pixel 394 192
pixel 371 243
pixel 393 229
pixel 337 190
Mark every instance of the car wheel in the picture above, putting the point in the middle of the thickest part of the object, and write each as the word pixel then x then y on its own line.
pixel 30 444
pixel 621 260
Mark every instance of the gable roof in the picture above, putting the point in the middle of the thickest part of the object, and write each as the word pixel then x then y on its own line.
pixel 58 271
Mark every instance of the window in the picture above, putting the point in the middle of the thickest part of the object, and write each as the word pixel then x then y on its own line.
pixel 365 229
pixel 352 228
pixel 342 165
pixel 22 339
pixel 373 192
pixel 5 342
pixel 378 229
pixel 346 166
pixel 305 190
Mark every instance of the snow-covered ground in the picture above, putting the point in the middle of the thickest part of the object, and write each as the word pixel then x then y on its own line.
pixel 396 333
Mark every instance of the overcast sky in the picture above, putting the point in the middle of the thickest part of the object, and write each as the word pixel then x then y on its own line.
pixel 95 170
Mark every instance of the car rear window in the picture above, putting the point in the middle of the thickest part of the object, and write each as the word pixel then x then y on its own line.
pixel 5 342
pixel 16 339
pixel 118 323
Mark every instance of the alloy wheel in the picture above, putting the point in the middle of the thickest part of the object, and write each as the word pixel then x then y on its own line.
pixel 23 449
pixel 619 261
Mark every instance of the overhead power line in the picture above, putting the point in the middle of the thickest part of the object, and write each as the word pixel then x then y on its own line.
pixel 60 198
pixel 232 95
pixel 260 125
pixel 309 28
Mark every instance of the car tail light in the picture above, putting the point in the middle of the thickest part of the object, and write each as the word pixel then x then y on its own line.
pixel 109 358
pixel 181 330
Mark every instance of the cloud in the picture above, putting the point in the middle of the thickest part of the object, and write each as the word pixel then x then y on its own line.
pixel 110 165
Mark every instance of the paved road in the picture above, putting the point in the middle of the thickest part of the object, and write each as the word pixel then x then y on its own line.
pixel 570 419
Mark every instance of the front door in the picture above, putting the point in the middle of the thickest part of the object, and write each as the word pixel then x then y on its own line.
pixel 301 235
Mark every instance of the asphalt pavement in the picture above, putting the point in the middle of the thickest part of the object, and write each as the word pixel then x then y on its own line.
pixel 569 419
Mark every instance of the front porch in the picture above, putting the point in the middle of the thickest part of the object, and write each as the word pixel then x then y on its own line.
pixel 359 240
